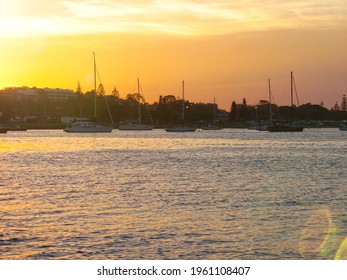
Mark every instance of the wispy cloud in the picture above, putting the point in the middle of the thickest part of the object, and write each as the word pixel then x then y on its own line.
pixel 197 17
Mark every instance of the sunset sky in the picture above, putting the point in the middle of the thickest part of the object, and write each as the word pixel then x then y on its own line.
pixel 223 49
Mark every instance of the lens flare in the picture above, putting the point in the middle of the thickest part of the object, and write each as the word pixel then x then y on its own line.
pixel 319 235
pixel 341 253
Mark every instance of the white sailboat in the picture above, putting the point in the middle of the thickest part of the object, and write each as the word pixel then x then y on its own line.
pixel 212 126
pixel 181 128
pixel 139 125
pixel 86 127
pixel 89 126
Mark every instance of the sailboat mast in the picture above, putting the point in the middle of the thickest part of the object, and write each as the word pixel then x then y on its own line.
pixel 291 96
pixel 291 89
pixel 183 99
pixel 270 109
pixel 94 86
pixel 139 95
pixel 214 111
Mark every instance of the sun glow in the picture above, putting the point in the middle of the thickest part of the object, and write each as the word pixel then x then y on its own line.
pixel 230 48
pixel 7 18
pixel 7 8
pixel 29 18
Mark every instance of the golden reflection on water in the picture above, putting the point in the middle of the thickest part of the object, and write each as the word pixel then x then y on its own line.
pixel 13 146
pixel 93 144
pixel 124 195
pixel 116 140
pixel 46 145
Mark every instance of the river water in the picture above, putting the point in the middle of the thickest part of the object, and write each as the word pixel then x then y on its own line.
pixel 229 194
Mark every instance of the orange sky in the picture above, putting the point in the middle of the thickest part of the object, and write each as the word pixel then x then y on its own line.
pixel 221 49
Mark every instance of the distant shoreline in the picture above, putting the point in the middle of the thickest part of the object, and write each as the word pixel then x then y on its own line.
pixel 49 126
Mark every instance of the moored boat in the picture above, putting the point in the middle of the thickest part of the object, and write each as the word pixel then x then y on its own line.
pixel 181 127
pixel 263 126
pixel 89 126
pixel 287 127
pixel 212 126
pixel 135 126
pixel 278 127
pixel 17 128
pixel 139 125
pixel 85 127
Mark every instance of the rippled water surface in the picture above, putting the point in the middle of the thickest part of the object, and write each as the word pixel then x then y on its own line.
pixel 229 194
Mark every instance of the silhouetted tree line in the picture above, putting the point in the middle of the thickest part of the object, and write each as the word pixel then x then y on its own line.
pixel 13 106
pixel 163 112
pixel 243 112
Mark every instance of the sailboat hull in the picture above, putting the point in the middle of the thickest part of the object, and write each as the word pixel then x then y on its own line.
pixel 180 129
pixel 135 127
pixel 88 128
pixel 211 127
pixel 284 128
